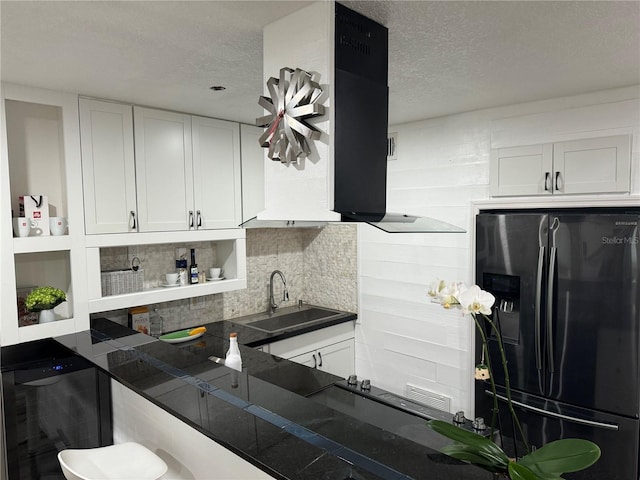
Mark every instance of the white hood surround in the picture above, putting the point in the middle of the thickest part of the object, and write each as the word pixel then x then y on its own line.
pixel 344 177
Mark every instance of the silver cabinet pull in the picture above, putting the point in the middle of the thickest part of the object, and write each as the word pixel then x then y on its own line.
pixel 199 219
pixel 320 357
pixel 190 218
pixel 315 363
pixel 132 222
pixel 557 178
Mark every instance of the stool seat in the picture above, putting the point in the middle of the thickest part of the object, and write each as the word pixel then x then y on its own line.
pixel 125 461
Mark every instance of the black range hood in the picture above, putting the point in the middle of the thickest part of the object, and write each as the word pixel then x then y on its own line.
pixel 360 123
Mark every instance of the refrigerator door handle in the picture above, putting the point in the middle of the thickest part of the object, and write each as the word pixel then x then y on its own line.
pixel 538 306
pixel 552 271
pixel 583 421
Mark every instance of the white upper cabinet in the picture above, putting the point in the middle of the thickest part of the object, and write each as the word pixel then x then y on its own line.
pixel 593 165
pixel 187 172
pixel 164 170
pixel 252 171
pixel 108 167
pixel 216 173
pixel 521 170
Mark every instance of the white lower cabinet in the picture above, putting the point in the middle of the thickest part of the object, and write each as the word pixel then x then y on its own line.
pixel 336 358
pixel 330 349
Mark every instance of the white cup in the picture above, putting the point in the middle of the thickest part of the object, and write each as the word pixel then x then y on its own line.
pixel 57 225
pixel 214 272
pixel 22 226
pixel 171 278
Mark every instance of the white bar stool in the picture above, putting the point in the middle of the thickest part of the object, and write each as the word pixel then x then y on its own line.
pixel 125 461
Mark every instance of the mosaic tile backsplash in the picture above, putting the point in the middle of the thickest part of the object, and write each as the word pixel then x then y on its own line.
pixel 320 266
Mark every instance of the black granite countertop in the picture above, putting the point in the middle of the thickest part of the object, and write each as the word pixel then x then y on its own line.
pixel 267 418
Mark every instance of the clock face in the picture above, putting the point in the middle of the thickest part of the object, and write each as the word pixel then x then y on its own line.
pixel 294 98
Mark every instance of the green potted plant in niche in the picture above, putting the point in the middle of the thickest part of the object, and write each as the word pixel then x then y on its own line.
pixel 44 300
pixel 548 462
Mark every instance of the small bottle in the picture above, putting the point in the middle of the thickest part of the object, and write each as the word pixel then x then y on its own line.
pixel 233 358
pixel 193 268
pixel 155 323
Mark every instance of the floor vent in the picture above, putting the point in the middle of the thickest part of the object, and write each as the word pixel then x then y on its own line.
pixel 428 398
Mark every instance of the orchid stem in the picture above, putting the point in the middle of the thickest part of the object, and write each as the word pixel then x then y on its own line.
pixel 485 348
pixel 507 384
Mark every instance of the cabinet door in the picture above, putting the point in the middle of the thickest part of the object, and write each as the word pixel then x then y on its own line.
pixel 594 165
pixel 164 173
pixel 521 170
pixel 252 171
pixel 310 359
pixel 216 173
pixel 338 358
pixel 108 168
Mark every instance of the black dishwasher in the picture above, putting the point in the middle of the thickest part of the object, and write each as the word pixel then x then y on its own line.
pixel 52 400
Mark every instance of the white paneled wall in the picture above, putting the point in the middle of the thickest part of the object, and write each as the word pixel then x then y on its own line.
pixel 188 453
pixel 442 167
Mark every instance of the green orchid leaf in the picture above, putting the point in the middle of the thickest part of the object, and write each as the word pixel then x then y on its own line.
pixel 477 443
pixel 517 471
pixel 469 454
pixel 563 456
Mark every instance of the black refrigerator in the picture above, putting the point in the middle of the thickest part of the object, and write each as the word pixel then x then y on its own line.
pixel 567 288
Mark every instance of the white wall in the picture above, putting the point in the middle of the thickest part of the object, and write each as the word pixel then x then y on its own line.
pixel 442 167
pixel 188 453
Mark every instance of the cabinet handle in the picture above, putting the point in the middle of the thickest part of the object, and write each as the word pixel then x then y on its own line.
pixel 556 181
pixel 190 218
pixel 546 181
pixel 315 364
pixel 199 219
pixel 133 220
pixel 320 357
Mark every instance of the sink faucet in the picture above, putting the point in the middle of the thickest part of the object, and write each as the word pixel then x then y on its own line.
pixel 272 303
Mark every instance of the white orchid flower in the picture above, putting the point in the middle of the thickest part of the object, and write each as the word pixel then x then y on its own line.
pixel 435 288
pixel 474 300
pixel 448 296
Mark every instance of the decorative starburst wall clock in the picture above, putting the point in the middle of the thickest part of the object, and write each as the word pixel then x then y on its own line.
pixel 294 98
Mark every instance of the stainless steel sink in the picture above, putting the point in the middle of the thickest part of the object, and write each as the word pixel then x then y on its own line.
pixel 288 318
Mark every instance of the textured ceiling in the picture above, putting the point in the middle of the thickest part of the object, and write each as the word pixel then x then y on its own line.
pixel 445 56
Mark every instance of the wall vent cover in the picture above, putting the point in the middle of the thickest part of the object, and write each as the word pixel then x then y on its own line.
pixel 392 146
pixel 429 398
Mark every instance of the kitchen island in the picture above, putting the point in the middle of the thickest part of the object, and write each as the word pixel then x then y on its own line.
pixel 265 414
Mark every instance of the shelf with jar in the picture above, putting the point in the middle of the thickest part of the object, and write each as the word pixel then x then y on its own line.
pixel 122 276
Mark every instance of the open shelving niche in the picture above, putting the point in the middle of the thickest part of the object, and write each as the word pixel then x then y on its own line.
pixel 230 255
pixel 40 155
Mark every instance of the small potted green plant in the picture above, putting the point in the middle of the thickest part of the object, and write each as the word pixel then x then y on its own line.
pixel 44 300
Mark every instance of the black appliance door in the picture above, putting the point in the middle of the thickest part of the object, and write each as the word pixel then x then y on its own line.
pixel 595 295
pixel 52 400
pixel 511 251
pixel 545 421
